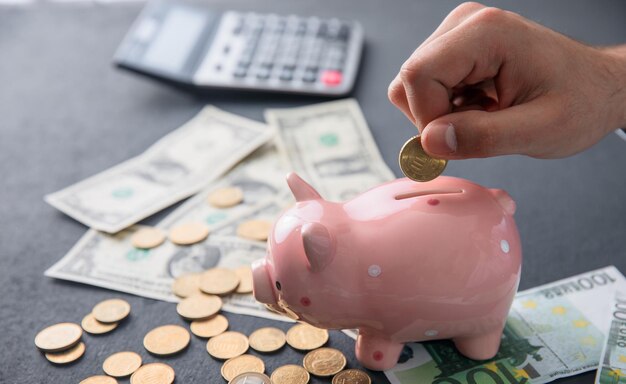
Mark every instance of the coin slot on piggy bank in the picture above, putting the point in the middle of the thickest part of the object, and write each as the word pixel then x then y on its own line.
pixel 443 267
pixel 409 195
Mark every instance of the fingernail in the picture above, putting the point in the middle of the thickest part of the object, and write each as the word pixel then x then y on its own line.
pixel 441 138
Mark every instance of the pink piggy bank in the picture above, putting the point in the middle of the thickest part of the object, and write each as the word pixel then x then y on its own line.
pixel 401 262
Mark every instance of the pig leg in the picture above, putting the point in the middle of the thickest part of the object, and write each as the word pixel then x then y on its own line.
pixel 377 353
pixel 481 347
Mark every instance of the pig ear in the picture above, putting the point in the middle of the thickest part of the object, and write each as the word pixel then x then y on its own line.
pixel 301 190
pixel 319 246
pixel 505 201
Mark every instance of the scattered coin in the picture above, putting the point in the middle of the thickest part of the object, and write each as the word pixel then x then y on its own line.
pixel 210 327
pixel 100 379
pixel 227 345
pixel 199 307
pixel 67 356
pixel 225 197
pixel 352 376
pixel 147 237
pixel 218 281
pixel 241 364
pixel 153 373
pixel 251 378
pixel 416 164
pixel 189 233
pixel 58 337
pixel 121 364
pixel 111 311
pixel 166 340
pixel 267 339
pixel 306 337
pixel 187 285
pixel 324 362
pixel 245 279
pixel 254 229
pixel 93 326
pixel 290 374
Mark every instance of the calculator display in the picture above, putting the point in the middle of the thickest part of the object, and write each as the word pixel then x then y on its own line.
pixel 174 41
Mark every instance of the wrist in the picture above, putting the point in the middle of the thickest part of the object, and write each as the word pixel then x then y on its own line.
pixel 616 71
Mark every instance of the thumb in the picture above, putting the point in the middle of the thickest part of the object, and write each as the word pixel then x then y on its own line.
pixel 515 130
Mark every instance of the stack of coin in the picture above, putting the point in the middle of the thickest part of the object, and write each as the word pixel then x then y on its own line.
pixel 61 342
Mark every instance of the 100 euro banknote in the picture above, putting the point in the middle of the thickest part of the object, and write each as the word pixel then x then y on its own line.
pixel 553 331
pixel 612 369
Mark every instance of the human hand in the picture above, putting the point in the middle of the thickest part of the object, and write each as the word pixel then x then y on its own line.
pixel 489 82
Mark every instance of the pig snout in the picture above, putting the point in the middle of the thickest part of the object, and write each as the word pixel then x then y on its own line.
pixel 262 284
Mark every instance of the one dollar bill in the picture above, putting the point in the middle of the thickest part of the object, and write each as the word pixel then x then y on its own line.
pixel 330 146
pixel 175 167
pixel 612 369
pixel 553 331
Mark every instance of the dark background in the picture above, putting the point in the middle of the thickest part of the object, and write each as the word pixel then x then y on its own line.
pixel 66 114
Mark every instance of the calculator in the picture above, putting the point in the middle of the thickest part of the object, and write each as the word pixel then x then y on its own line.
pixel 202 48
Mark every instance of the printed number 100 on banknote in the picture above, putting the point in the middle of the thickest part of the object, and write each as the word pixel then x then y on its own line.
pixel 553 331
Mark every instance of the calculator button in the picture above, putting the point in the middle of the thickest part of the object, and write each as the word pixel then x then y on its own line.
pixel 309 76
pixel 331 77
pixel 240 72
pixel 286 76
pixel 263 74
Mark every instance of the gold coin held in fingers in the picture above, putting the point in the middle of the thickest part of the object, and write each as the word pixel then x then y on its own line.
pixel 93 326
pixel 99 379
pixel 290 374
pixel 166 340
pixel 416 164
pixel 153 373
pixel 218 281
pixel 352 376
pixel 245 279
pixel 147 237
pixel 186 285
pixel 306 337
pixel 210 327
pixel 227 345
pixel 267 339
pixel 58 337
pixel 225 197
pixel 199 306
pixel 324 362
pixel 257 230
pixel 67 356
pixel 241 364
pixel 111 311
pixel 121 364
pixel 251 378
pixel 189 233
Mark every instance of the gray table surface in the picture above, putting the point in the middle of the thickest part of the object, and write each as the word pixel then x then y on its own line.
pixel 66 114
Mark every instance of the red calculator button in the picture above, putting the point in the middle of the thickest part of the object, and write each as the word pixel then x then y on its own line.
pixel 332 78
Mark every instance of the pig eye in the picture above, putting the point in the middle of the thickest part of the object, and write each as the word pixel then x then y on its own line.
pixel 278 285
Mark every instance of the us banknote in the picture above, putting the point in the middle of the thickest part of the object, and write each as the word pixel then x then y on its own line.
pixel 175 167
pixel 553 331
pixel 110 261
pixel 261 178
pixel 612 368
pixel 330 146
